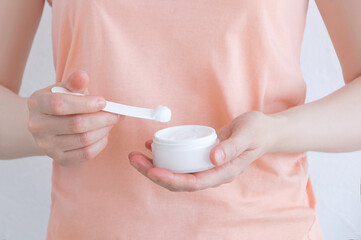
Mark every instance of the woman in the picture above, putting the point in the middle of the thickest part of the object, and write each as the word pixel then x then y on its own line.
pixel 232 65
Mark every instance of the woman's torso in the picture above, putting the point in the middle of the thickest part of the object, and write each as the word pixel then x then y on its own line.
pixel 208 61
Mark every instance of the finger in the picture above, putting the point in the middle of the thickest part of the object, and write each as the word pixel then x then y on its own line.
pixel 224 173
pixel 78 82
pixel 66 104
pixel 228 149
pixel 68 142
pixel 184 182
pixel 83 154
pixel 196 181
pixel 141 162
pixel 224 132
pixel 176 182
pixel 148 144
pixel 134 153
pixel 80 123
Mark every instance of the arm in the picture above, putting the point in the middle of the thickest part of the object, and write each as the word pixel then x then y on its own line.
pixel 333 123
pixel 69 129
pixel 19 21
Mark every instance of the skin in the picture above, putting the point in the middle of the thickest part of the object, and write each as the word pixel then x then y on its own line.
pixel 331 124
pixel 84 128
pixel 70 129
pixel 53 124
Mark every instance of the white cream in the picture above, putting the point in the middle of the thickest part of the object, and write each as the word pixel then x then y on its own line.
pixel 184 133
pixel 184 149
pixel 162 114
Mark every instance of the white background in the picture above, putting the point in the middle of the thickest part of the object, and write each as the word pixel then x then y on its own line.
pixel 25 184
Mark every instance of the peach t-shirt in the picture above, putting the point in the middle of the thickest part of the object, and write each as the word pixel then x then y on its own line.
pixel 209 61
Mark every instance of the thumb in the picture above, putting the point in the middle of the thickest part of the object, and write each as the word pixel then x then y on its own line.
pixel 78 82
pixel 228 150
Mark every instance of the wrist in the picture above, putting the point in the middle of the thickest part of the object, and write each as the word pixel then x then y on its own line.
pixel 277 124
pixel 30 146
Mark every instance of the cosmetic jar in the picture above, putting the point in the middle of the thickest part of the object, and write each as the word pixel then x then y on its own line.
pixel 184 149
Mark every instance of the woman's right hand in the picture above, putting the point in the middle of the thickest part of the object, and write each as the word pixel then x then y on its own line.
pixel 68 128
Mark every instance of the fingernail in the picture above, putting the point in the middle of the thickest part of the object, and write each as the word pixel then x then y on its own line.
pixel 134 164
pixel 219 156
pixel 154 178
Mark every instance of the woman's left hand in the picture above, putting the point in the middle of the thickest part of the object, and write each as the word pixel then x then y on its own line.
pixel 244 140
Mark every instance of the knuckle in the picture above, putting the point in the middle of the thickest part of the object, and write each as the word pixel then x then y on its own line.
pixel 193 185
pixel 78 124
pixel 172 187
pixel 31 102
pixel 111 119
pixel 87 153
pixel 84 138
pixel 32 126
pixel 230 171
pixel 91 106
pixel 57 104
pixel 231 150
pixel 234 147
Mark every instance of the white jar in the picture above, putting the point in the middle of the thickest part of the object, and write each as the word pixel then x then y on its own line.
pixel 184 149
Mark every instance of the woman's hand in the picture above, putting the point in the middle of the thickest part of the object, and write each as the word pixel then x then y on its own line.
pixel 244 140
pixel 70 129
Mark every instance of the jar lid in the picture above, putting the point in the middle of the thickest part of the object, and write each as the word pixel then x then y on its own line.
pixel 185 135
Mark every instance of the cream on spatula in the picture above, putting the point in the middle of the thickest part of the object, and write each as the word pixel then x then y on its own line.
pixel 159 113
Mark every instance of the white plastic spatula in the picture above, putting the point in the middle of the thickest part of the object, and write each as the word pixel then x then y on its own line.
pixel 160 113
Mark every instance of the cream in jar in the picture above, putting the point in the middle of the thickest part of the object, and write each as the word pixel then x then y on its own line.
pixel 184 149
